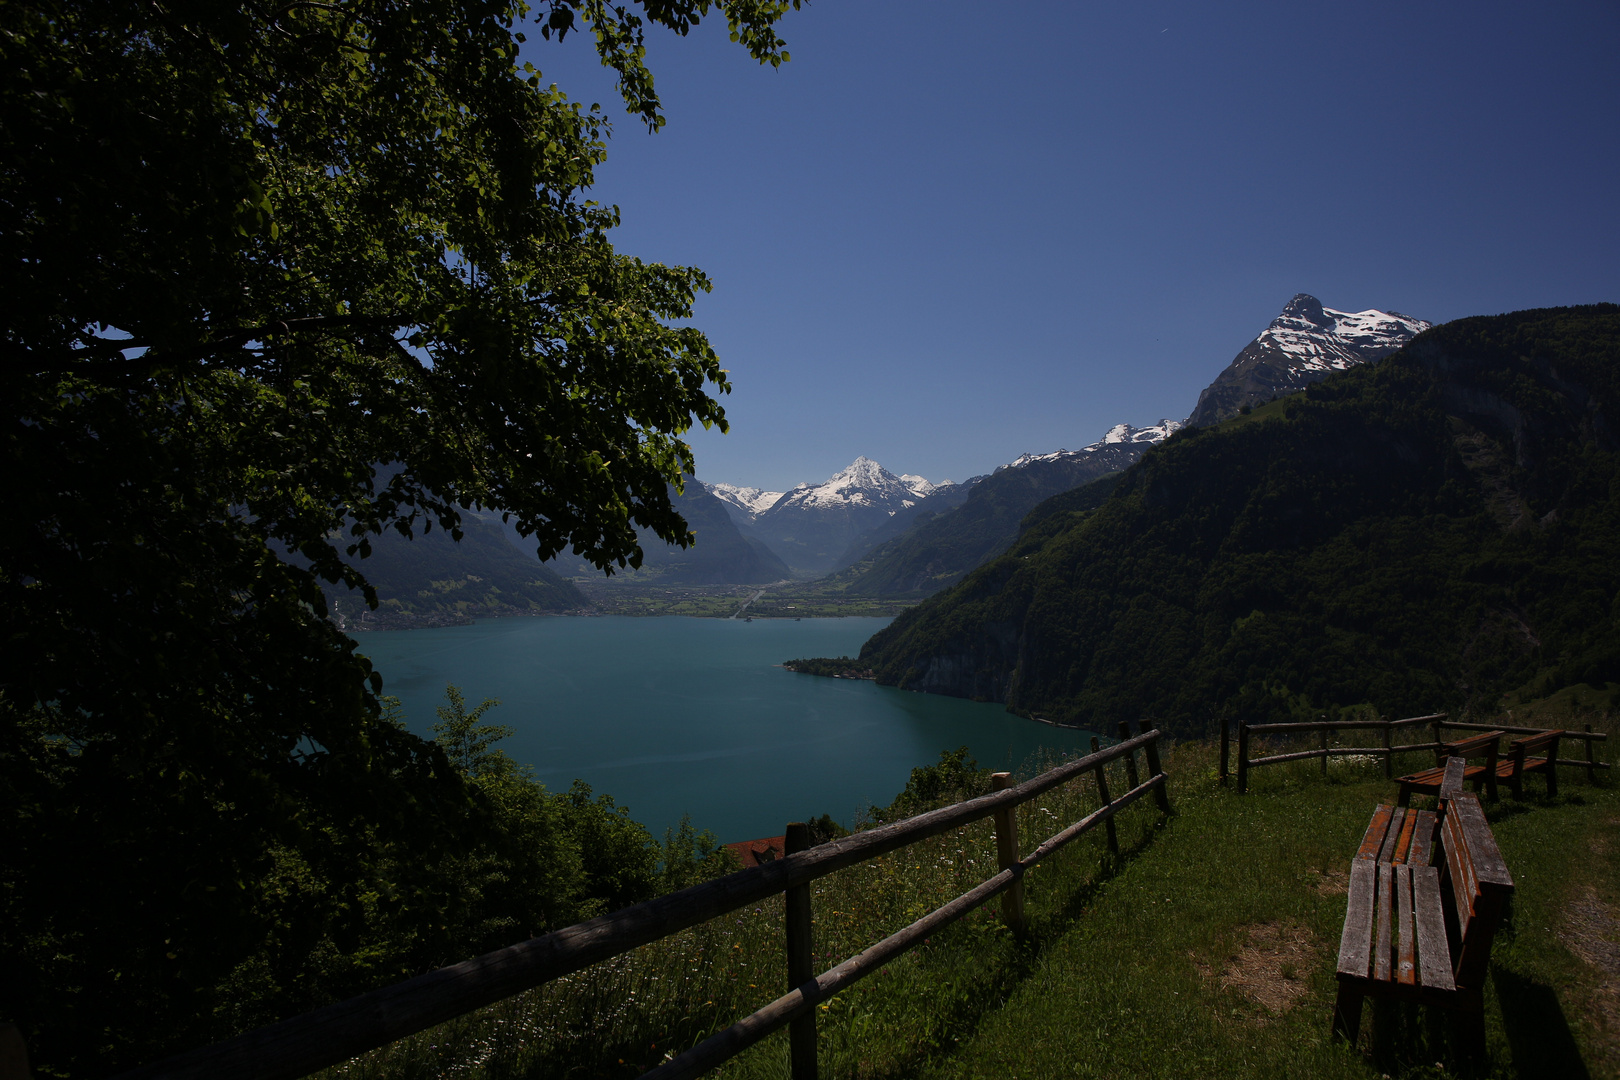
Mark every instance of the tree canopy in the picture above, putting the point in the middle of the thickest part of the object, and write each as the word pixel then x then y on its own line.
pixel 280 277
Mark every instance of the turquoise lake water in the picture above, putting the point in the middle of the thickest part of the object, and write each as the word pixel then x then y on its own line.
pixel 673 715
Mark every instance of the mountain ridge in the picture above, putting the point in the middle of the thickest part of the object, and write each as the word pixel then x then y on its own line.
pixel 1303 345
pixel 1419 534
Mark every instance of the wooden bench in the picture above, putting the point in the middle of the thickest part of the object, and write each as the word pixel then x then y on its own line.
pixel 1519 762
pixel 1428 781
pixel 1419 932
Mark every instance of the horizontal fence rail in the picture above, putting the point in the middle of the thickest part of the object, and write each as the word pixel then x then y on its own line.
pixel 802 999
pixel 328 1036
pixel 1437 722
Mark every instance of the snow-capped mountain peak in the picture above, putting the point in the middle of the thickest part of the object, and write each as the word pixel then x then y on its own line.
pixel 1303 345
pixel 863 483
pixel 1319 338
pixel 919 486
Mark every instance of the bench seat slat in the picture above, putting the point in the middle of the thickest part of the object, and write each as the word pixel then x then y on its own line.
pixel 1392 838
pixel 1373 841
pixel 1421 853
pixel 1355 945
pixel 1433 778
pixel 1403 845
pixel 1384 948
pixel 1434 955
pixel 1406 951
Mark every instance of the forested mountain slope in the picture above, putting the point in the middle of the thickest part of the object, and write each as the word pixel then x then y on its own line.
pixel 1419 533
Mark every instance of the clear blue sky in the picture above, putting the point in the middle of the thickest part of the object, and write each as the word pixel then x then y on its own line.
pixel 946 233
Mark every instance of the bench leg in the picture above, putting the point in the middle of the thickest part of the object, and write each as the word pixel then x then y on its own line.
pixel 1406 796
pixel 1552 779
pixel 1347 1014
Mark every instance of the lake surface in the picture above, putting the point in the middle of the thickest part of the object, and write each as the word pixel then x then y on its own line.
pixel 677 716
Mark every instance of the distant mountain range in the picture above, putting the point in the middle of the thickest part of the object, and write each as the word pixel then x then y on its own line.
pixel 877 533
pixel 897 535
pixel 812 526
pixel 938 549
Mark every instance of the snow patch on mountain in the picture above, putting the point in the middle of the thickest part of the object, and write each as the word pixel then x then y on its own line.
pixel 1303 345
pixel 752 501
pixel 1119 434
pixel 1318 338
pixel 864 483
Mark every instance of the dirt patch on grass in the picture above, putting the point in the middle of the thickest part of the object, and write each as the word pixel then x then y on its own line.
pixel 1589 929
pixel 1271 968
pixel 1589 922
pixel 1330 882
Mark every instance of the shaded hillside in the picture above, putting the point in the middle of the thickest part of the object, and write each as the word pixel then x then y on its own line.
pixel 942 499
pixel 939 551
pixel 1420 534
pixel 720 555
pixel 431 580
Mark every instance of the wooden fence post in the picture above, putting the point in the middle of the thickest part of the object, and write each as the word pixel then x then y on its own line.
pixel 1389 752
pixel 1243 757
pixel 1226 737
pixel 1162 792
pixel 800 968
pixel 1007 854
pixel 1325 733
pixel 1591 771
pixel 1130 758
pixel 1102 793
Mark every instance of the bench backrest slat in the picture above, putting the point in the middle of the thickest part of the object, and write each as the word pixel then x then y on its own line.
pixel 1476 746
pixel 1480 884
pixel 1463 886
pixel 1535 743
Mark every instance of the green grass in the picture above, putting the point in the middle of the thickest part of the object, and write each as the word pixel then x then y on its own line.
pixel 1133 966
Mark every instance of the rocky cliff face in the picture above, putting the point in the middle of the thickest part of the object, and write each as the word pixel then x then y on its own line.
pixel 1303 345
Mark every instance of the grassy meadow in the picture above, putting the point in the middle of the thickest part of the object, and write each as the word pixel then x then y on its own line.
pixel 1206 948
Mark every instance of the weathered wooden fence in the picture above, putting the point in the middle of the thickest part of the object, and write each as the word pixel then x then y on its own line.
pixel 1436 722
pixel 315 1040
